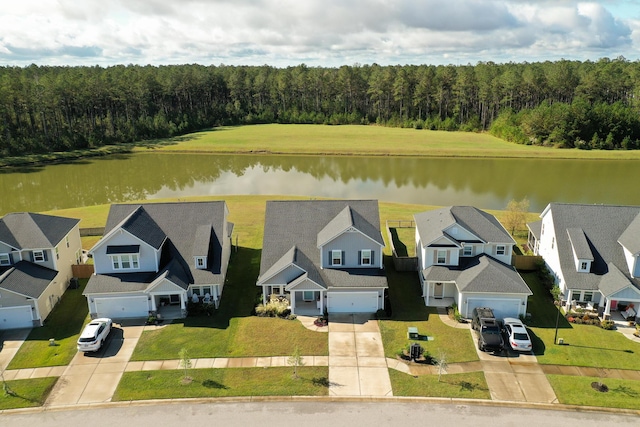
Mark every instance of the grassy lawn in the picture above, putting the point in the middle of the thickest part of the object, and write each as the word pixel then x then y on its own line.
pixel 404 240
pixel 64 324
pixel 409 310
pixel 365 141
pixel 585 345
pixel 311 381
pixel 572 390
pixel 28 393
pixel 470 385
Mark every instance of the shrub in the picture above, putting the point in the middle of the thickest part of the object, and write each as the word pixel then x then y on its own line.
pixel 455 313
pixel 608 324
pixel 276 307
pixel 381 314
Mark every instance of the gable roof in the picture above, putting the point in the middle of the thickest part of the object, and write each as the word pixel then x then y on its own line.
pixel 293 229
pixel 431 224
pixel 630 238
pixel 603 226
pixel 579 243
pixel 26 230
pixel 27 279
pixel 180 224
pixel 481 273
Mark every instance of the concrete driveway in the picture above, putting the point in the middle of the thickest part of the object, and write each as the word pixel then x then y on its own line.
pixel 515 376
pixel 93 377
pixel 357 366
pixel 10 343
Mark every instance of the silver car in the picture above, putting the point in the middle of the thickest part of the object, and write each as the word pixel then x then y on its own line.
pixel 94 334
pixel 517 334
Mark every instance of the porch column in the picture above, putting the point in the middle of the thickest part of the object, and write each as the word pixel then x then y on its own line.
pixel 321 307
pixel 183 304
pixel 426 293
pixel 292 297
pixel 607 309
pixel 153 303
pixel 569 297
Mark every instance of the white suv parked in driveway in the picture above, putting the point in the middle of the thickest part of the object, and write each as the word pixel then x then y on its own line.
pixel 94 334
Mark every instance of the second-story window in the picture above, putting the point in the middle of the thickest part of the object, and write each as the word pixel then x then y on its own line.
pixel 365 257
pixel 583 265
pixel 501 249
pixel 467 251
pixel 442 257
pixel 336 257
pixel 125 262
pixel 38 256
pixel 4 259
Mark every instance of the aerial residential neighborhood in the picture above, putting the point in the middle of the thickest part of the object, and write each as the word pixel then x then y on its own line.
pixel 309 213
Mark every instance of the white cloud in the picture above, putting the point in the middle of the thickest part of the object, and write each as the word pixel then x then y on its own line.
pixel 318 32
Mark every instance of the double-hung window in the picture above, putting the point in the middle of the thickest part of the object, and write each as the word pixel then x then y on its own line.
pixel 336 257
pixel 4 259
pixel 38 256
pixel 467 251
pixel 125 262
pixel 501 249
pixel 365 257
pixel 442 257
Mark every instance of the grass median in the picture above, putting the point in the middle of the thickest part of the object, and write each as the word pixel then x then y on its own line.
pixel 471 385
pixel 27 393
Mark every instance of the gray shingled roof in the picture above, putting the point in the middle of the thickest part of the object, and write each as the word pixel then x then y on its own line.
pixel 27 279
pixel 579 243
pixel 535 228
pixel 26 230
pixel 630 237
pixel 291 233
pixel 613 281
pixel 480 274
pixel 602 225
pixel 180 223
pixel 430 224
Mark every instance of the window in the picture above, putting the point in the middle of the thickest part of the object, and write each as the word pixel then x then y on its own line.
pixel 4 259
pixel 78 256
pixel 501 249
pixel 365 257
pixel 542 230
pixel 307 295
pixel 583 265
pixel 336 257
pixel 201 262
pixel 467 251
pixel 66 240
pixel 442 257
pixel 588 296
pixel 57 253
pixel 553 242
pixel 38 256
pixel 125 262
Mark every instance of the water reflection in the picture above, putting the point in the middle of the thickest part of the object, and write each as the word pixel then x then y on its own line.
pixel 486 183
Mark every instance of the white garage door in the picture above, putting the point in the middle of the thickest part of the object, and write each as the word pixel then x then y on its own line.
pixel 352 302
pixel 122 307
pixel 501 307
pixel 16 317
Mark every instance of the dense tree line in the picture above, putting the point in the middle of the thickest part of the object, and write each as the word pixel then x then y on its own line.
pixel 564 103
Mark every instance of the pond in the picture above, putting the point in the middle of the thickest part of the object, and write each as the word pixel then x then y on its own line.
pixel 485 183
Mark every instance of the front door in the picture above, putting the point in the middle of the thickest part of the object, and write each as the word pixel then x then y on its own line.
pixel 438 290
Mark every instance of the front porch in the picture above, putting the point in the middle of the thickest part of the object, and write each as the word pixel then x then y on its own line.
pixel 440 302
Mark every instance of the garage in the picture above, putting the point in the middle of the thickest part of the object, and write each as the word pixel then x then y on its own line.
pixel 501 307
pixel 122 307
pixel 16 317
pixel 352 302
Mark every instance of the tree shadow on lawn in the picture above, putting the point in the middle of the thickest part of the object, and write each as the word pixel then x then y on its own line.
pixel 214 384
pixel 624 390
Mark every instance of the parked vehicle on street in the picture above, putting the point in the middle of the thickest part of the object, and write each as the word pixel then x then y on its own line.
pixel 517 335
pixel 489 330
pixel 94 334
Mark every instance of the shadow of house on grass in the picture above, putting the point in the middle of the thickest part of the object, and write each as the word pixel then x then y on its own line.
pixel 405 294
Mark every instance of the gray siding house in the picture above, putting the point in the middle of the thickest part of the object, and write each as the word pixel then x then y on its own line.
pixel 464 256
pixel 593 252
pixel 324 254
pixel 36 255
pixel 156 257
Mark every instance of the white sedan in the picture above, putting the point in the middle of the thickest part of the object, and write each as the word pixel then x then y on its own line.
pixel 94 334
pixel 517 334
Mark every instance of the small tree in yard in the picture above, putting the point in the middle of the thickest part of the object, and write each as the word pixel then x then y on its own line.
pixel 185 362
pixel 516 216
pixel 295 360
pixel 442 363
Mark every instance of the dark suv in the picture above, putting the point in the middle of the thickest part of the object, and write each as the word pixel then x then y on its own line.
pixel 489 331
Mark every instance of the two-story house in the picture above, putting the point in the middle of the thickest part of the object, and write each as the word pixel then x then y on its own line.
pixel 324 254
pixel 593 252
pixel 464 256
pixel 36 255
pixel 156 257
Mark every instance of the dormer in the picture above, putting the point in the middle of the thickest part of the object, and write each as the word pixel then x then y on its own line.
pixel 582 255
pixel 201 246
pixel 630 241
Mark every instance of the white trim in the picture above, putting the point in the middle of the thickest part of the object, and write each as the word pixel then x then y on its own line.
pixel 261 282
pixel 40 252
pixel 354 229
pixel 333 257
pixel 134 259
pixel 362 257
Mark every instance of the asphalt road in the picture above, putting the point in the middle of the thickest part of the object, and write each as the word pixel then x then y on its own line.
pixel 310 414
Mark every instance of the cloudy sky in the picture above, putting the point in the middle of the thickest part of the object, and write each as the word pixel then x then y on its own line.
pixel 314 32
